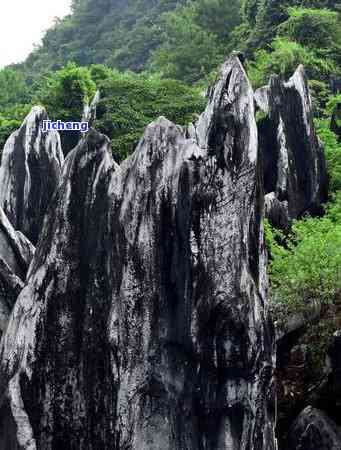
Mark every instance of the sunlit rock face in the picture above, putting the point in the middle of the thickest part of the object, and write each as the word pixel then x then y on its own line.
pixel 295 176
pixel 29 174
pixel 16 253
pixel 144 321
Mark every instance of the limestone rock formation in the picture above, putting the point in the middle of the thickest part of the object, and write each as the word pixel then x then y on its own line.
pixel 144 322
pixel 16 253
pixel 29 174
pixel 313 430
pixel 56 353
pixel 295 177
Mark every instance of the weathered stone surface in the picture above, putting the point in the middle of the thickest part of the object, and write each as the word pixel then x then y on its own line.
pixel 313 430
pixel 56 354
pixel 29 174
pixel 295 176
pixel 144 322
pixel 191 215
pixel 16 253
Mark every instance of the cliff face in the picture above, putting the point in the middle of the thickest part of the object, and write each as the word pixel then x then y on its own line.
pixel 293 160
pixel 29 174
pixel 144 320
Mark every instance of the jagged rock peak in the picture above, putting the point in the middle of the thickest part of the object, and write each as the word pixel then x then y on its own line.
pixel 29 173
pixel 295 175
pixel 144 321
pixel 230 106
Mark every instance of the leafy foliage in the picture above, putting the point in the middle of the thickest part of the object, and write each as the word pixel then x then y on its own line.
pixel 10 120
pixel 13 88
pixel 332 151
pixel 284 58
pixel 308 267
pixel 129 102
pixel 119 33
pixel 65 92
pixel 313 28
pixel 305 263
pixel 189 52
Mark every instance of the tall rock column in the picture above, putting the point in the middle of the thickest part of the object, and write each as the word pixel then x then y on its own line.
pixel 56 357
pixel 190 319
pixel 295 176
pixel 29 173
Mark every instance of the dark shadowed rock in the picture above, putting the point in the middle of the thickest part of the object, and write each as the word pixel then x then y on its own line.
pixel 313 430
pixel 334 361
pixel 295 177
pixel 16 253
pixel 29 174
pixel 144 322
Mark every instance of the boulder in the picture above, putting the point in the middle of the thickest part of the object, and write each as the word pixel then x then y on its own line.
pixel 144 321
pixel 295 178
pixel 313 430
pixel 29 174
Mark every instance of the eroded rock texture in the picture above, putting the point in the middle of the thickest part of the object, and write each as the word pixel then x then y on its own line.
pixel 16 253
pixel 313 430
pixel 56 353
pixel 144 322
pixel 295 177
pixel 29 174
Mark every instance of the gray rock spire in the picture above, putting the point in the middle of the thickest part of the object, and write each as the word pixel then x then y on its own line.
pixel 295 176
pixel 29 174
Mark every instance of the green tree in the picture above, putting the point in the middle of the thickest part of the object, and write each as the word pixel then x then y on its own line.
pixel 10 120
pixel 316 29
pixel 129 102
pixel 65 92
pixel 284 57
pixel 13 88
pixel 188 51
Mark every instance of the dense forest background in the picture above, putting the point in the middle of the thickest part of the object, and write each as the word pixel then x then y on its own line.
pixel 157 57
